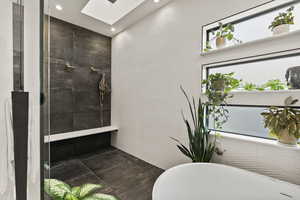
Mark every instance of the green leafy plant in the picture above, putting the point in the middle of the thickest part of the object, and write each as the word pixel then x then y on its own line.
pixel 208 47
pixel 226 31
pixel 283 18
pixel 275 84
pixel 223 31
pixel 278 119
pixel 201 147
pixel 260 87
pixel 59 190
pixel 218 88
pixel 252 87
pixel 224 82
pixel 249 86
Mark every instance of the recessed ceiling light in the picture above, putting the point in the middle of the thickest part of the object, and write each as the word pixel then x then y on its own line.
pixel 58 7
pixel 156 1
pixel 112 29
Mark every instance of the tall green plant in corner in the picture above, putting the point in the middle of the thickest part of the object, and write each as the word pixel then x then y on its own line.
pixel 201 147
pixel 59 190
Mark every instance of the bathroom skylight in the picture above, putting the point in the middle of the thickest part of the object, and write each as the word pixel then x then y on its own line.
pixel 110 11
pixel 112 1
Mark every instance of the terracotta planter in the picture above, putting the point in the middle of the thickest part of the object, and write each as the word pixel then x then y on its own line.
pixel 218 85
pixel 285 138
pixel 283 28
pixel 220 42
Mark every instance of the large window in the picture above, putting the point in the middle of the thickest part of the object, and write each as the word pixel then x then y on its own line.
pixel 265 71
pixel 244 120
pixel 252 25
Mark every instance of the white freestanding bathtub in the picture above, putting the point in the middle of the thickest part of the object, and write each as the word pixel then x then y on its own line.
pixel 219 182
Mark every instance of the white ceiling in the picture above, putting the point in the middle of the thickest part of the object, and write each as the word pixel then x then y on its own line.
pixel 100 17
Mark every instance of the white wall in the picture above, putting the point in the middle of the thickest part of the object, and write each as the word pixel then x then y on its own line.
pixel 151 59
pixel 6 86
pixel 32 85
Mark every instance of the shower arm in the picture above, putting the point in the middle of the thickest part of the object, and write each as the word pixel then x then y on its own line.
pixel 69 67
pixel 93 69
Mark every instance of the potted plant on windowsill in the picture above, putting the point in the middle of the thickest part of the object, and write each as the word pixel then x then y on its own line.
pixel 253 87
pixel 223 34
pixel 218 88
pixel 270 85
pixel 221 82
pixel 281 23
pixel 275 84
pixel 284 123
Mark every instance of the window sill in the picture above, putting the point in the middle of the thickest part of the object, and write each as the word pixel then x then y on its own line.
pixel 256 140
pixel 266 97
pixel 241 92
pixel 260 98
pixel 274 37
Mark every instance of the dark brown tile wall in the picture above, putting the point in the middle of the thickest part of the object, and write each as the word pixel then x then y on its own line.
pixel 18 46
pixel 74 95
pixel 67 149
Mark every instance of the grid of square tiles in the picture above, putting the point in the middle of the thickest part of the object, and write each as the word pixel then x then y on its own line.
pixel 122 175
pixel 74 95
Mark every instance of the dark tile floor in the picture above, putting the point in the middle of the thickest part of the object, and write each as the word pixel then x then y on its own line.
pixel 122 175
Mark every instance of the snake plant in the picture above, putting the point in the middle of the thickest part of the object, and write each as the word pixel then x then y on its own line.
pixel 59 190
pixel 201 147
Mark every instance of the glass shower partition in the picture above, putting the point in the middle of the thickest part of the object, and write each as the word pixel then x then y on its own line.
pixel 45 98
pixel 76 89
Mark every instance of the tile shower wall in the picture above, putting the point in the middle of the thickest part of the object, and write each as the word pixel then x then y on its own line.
pixel 17 46
pixel 74 94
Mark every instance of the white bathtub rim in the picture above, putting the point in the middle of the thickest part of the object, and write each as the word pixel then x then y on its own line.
pixel 167 172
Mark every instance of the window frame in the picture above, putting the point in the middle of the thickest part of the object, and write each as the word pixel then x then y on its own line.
pixel 243 16
pixel 244 134
pixel 261 98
